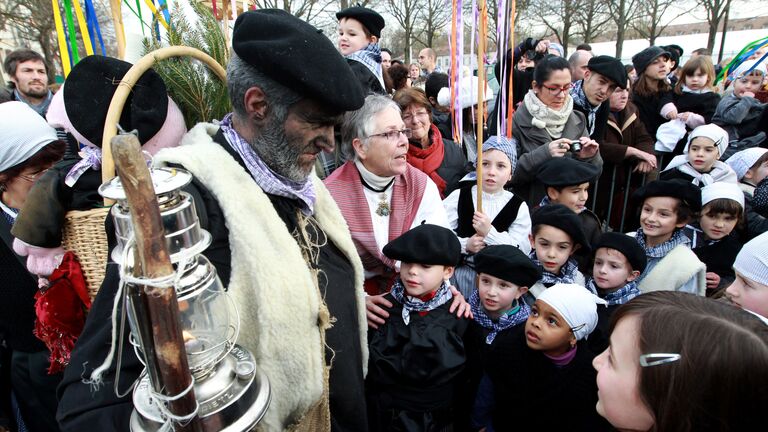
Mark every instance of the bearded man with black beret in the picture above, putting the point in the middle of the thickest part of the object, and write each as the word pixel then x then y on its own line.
pixel 280 244
pixel 590 95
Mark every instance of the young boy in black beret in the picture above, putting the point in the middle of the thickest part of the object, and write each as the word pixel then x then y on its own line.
pixel 668 205
pixel 417 356
pixel 556 235
pixel 359 34
pixel 499 314
pixel 566 182
pixel 619 260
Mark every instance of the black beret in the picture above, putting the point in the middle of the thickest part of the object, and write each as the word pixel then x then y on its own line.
pixel 561 217
pixel 367 17
pixel 507 263
pixel 565 171
pixel 683 190
pixel 625 244
pixel 642 59
pixel 89 89
pixel 425 244
pixel 298 56
pixel 609 67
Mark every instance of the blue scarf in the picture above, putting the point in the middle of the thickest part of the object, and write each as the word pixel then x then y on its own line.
pixel 660 251
pixel 618 297
pixel 580 99
pixel 370 57
pixel 515 316
pixel 414 304
pixel 271 182
pixel 567 272
pixel 40 109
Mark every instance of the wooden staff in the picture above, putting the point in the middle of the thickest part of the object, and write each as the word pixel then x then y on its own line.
pixel 483 25
pixel 117 20
pixel 159 308
pixel 510 83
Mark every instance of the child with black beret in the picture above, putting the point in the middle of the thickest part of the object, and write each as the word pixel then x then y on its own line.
pixel 618 262
pixel 359 34
pixel 557 234
pixel 417 356
pixel 566 181
pixel 499 314
pixel 668 205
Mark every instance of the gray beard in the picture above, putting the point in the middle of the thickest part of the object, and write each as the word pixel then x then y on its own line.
pixel 272 144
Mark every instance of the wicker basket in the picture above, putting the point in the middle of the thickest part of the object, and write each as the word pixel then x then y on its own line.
pixel 84 230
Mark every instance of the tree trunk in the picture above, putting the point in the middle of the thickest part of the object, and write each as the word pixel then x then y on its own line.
pixel 620 28
pixel 725 30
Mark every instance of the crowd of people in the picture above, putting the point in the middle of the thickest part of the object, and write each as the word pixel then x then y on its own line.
pixel 393 275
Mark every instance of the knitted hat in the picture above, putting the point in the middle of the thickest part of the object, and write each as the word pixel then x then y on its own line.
pixel 281 46
pixel 645 57
pixel 723 190
pixel 628 246
pixel 743 161
pixel 746 66
pixel 507 263
pixel 369 18
pixel 425 244
pixel 565 171
pixel 711 131
pixel 508 146
pixel 467 93
pixel 609 67
pixel 561 217
pixel 752 260
pixel 576 305
pixel 22 134
pixel 683 190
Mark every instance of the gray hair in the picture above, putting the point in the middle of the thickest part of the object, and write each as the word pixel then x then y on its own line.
pixel 360 123
pixel 241 76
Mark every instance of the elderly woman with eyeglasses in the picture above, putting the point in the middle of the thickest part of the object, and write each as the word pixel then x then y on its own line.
pixel 28 147
pixel 546 126
pixel 441 159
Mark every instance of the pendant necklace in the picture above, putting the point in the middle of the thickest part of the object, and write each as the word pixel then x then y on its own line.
pixel 383 209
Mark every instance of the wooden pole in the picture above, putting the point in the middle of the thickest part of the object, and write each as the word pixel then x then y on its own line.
pixel 483 26
pixel 511 79
pixel 154 262
pixel 117 19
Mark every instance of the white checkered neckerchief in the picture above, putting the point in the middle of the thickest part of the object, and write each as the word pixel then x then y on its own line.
pixel 271 182
pixel 414 304
pixel 660 251
pixel 370 56
pixel 515 316
pixel 618 297
pixel 567 275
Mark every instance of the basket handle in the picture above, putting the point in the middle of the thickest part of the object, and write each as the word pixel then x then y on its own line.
pixel 125 87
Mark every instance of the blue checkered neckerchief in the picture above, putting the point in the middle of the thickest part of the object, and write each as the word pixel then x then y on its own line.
pixel 370 56
pixel 271 182
pixel 414 304
pixel 580 99
pixel 660 251
pixel 567 275
pixel 513 317
pixel 618 297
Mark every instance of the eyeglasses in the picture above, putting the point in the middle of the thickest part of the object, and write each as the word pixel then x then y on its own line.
pixel 34 176
pixel 392 135
pixel 411 116
pixel 555 90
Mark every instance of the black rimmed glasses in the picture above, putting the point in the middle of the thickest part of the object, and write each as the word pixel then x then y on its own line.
pixel 393 135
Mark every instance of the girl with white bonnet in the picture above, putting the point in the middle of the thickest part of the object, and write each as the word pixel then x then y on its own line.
pixel 750 288
pixel 751 167
pixel 28 147
pixel 557 390
pixel 700 161
pixel 504 219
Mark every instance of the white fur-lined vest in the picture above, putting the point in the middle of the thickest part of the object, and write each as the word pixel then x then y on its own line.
pixel 282 315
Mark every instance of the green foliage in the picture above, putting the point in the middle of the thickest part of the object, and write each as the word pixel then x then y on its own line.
pixel 198 92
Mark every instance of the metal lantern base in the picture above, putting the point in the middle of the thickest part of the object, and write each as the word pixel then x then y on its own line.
pixel 233 398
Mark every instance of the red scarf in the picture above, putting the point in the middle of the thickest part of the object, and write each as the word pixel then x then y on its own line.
pixel 428 160
pixel 347 190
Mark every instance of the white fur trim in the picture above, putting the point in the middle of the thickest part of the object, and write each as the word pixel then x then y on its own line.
pixel 674 270
pixel 270 282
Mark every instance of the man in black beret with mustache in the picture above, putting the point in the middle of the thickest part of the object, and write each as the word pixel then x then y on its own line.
pixel 280 244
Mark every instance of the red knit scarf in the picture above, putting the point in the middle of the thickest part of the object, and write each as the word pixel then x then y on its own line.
pixel 428 160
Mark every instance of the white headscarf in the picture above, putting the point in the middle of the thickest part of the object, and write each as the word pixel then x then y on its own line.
pixel 23 132
pixel 742 161
pixel 752 260
pixel 576 305
pixel 725 190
